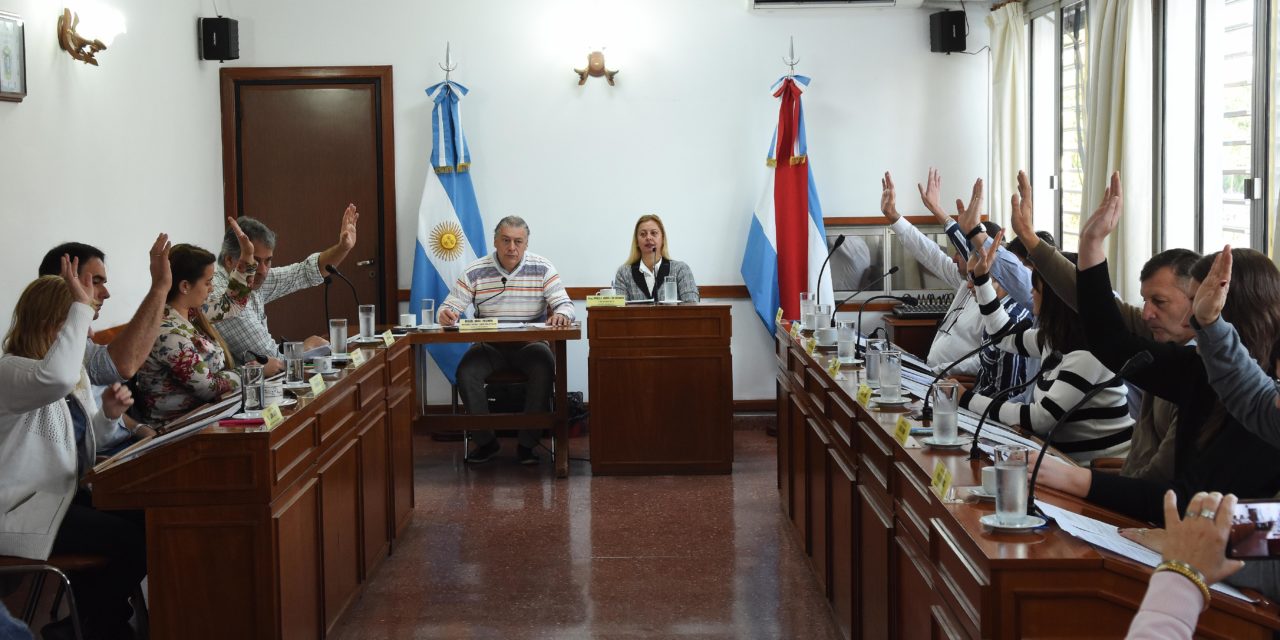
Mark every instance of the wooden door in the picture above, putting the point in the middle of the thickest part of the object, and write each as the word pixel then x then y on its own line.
pixel 298 145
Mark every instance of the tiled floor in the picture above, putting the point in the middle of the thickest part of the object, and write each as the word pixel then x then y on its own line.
pixel 504 551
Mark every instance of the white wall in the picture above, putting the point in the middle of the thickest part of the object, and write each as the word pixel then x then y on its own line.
pixel 683 134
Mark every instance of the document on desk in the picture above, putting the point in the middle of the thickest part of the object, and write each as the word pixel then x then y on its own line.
pixel 1101 534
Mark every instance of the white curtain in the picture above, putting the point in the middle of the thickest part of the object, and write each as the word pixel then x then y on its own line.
pixel 1009 121
pixel 1118 114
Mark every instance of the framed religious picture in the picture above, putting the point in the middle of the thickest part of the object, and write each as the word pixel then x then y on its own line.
pixel 13 58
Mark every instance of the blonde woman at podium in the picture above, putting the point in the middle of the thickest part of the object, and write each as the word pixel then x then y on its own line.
pixel 650 265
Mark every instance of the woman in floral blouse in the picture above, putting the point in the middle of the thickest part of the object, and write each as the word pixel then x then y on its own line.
pixel 189 364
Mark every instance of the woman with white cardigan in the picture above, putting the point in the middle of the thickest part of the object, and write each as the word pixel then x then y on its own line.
pixel 50 426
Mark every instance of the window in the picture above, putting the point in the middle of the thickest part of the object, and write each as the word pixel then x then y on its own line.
pixel 1059 83
pixel 1075 54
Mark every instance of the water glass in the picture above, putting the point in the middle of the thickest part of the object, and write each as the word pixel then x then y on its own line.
pixel 821 317
pixel 338 335
pixel 294 363
pixel 1011 484
pixel 874 347
pixel 428 315
pixel 807 300
pixel 945 402
pixel 366 321
pixel 845 340
pixel 252 377
pixel 890 375
pixel 670 293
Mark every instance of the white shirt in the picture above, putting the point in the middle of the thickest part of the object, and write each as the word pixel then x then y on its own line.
pixel 648 274
pixel 961 329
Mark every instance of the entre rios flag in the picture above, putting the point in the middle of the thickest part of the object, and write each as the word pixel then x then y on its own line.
pixel 787 241
pixel 450 231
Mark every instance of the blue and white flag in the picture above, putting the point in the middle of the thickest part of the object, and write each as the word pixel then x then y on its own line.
pixel 450 231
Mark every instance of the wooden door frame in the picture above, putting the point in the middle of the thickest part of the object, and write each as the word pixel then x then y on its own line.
pixel 230 80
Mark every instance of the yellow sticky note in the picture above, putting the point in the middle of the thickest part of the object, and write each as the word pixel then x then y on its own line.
pixel 357 357
pixel 811 345
pixel 317 384
pixel 833 367
pixel 903 431
pixel 778 318
pixel 864 394
pixel 795 329
pixel 388 338
pixel 941 484
pixel 271 416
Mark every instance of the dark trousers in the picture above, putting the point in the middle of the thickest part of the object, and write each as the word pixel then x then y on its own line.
pixel 103 595
pixel 534 359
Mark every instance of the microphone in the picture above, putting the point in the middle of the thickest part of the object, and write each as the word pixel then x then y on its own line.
pixel 1138 361
pixel 656 285
pixel 926 413
pixel 995 397
pixel 851 296
pixel 835 245
pixel 328 280
pixel 334 270
pixel 907 299
pixel 504 288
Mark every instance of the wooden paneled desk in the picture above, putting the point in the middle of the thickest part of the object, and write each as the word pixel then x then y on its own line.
pixel 895 561
pixel 257 533
pixel 557 420
pixel 661 379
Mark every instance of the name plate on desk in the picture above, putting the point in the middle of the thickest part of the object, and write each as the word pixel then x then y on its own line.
pixel 272 417
pixel 357 357
pixel 317 384
pixel 478 324
pixel 606 301
pixel 388 338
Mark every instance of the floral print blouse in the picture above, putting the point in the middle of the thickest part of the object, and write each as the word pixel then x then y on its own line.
pixel 186 367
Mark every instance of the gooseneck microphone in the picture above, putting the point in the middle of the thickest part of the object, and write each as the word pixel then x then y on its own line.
pixel 995 398
pixel 504 288
pixel 328 280
pixel 891 271
pixel 830 252
pixel 1138 361
pixel 334 270
pixel 926 413
pixel 906 299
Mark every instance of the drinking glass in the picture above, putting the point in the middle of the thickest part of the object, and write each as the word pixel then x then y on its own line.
pixel 252 378
pixel 821 317
pixel 295 371
pixel 670 291
pixel 428 311
pixel 338 335
pixel 875 346
pixel 807 300
pixel 946 401
pixel 366 321
pixel 1011 483
pixel 845 341
pixel 890 375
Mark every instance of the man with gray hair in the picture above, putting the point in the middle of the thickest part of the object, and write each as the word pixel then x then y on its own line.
pixel 247 332
pixel 514 286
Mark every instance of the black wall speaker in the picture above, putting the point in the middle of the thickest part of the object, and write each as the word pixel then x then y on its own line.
pixel 947 32
pixel 219 38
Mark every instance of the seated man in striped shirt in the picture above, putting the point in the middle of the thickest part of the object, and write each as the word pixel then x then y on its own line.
pixel 514 286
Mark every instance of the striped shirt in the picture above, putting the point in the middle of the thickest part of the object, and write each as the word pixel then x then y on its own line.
pixel 1102 428
pixel 1001 369
pixel 522 295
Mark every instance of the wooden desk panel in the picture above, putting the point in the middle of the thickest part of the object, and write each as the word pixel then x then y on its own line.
pixel 916 567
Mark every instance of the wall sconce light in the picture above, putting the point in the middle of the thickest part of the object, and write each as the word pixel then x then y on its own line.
pixel 80 48
pixel 595 69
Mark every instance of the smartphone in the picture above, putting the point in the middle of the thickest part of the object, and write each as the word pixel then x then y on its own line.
pixel 1255 530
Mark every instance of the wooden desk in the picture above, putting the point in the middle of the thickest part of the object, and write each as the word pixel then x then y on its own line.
pixel 913 334
pixel 661 379
pixel 897 562
pixel 256 533
pixel 557 420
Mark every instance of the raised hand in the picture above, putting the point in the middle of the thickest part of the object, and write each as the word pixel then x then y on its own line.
pixel 971 215
pixel 1201 538
pixel 1101 224
pixel 116 399
pixel 70 273
pixel 930 194
pixel 347 235
pixel 888 199
pixel 246 245
pixel 1212 294
pixel 1022 219
pixel 161 274
pixel 981 258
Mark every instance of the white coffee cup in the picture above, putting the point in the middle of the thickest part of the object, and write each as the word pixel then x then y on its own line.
pixel 324 364
pixel 408 320
pixel 989 480
pixel 606 292
pixel 826 336
pixel 273 392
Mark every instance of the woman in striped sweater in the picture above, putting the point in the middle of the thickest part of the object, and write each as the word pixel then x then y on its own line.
pixel 1102 428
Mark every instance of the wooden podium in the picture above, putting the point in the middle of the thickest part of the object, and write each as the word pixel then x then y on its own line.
pixel 661 382
pixel 257 533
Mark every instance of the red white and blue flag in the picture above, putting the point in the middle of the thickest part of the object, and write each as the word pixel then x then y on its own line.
pixel 787 241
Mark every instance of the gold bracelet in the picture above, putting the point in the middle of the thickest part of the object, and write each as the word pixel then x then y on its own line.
pixel 1189 572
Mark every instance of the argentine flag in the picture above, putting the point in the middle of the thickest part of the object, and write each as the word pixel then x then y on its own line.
pixel 450 231
pixel 787 242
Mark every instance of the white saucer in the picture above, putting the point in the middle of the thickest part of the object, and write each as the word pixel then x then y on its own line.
pixel 297 385
pixel 852 363
pixel 934 444
pixel 1028 523
pixel 981 494
pixel 363 340
pixel 287 402
pixel 427 327
pixel 890 403
pixel 247 415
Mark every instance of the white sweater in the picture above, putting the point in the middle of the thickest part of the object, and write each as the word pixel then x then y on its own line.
pixel 37 438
